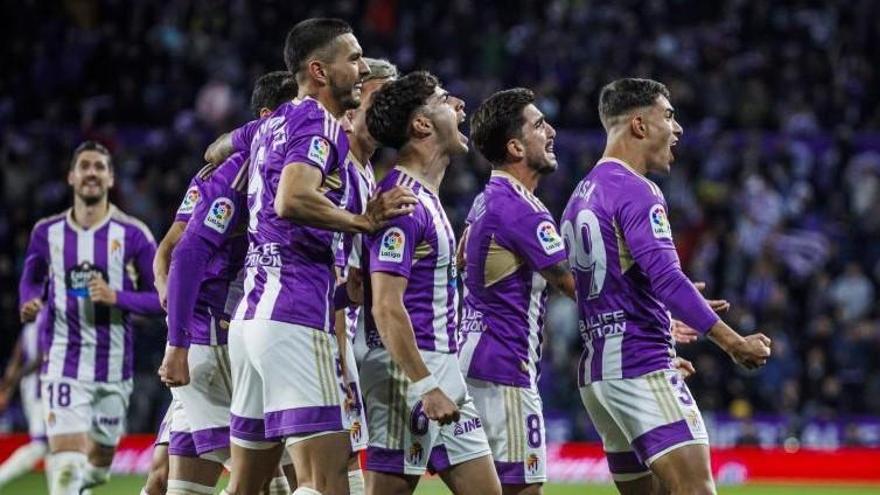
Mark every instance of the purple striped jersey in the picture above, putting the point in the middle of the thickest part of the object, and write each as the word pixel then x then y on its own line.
pixel 613 224
pixel 88 341
pixel 289 268
pixel 420 247
pixel 511 238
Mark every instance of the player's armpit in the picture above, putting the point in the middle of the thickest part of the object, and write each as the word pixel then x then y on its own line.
pixel 560 277
pixel 394 325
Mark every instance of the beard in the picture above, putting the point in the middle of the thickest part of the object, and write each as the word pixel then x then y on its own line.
pixel 91 198
pixel 344 95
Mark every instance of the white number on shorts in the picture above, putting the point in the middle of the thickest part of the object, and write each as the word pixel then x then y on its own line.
pixel 586 250
pixel 62 392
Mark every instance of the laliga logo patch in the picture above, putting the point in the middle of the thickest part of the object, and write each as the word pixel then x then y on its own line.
pixel 319 150
pixel 659 223
pixel 220 215
pixel 391 246
pixel 189 201
pixel 549 239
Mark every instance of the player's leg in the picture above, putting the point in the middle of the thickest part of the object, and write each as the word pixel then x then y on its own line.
pixel 26 457
pixel 379 483
pixel 157 478
pixel 353 416
pixel 685 470
pixel 321 461
pixel 67 405
pixel 110 407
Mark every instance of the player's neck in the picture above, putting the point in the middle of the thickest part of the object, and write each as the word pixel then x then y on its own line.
pixel 527 176
pixel 362 148
pixel 88 215
pixel 325 98
pixel 427 164
pixel 627 153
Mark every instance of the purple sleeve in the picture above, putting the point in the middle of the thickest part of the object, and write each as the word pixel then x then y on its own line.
pixel 535 238
pixel 391 249
pixel 313 149
pixel 144 300
pixel 219 210
pixel 36 268
pixel 649 237
pixel 188 262
pixel 189 202
pixel 244 135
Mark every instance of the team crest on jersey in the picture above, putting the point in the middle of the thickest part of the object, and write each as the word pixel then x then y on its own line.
pixel 319 150
pixel 660 223
pixel 391 246
pixel 189 201
pixel 533 463
pixel 116 250
pixel 356 431
pixel 415 453
pixel 77 278
pixel 549 239
pixel 220 215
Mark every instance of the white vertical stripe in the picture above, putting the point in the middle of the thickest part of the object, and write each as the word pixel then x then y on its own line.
pixel 588 362
pixel 85 251
pixel 250 275
pixel 271 290
pixel 534 312
pixel 612 367
pixel 59 337
pixel 441 274
pixel 116 274
pixel 212 327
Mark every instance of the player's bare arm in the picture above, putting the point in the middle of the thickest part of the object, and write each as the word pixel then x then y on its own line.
pixel 560 277
pixel 396 332
pixel 300 199
pixel 750 351
pixel 162 261
pixel 220 149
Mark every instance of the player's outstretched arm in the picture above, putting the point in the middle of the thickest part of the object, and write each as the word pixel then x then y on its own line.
pixel 162 260
pixel 396 332
pixel 220 149
pixel 750 351
pixel 299 198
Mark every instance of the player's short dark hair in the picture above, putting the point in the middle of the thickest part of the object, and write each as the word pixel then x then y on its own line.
pixel 91 146
pixel 394 104
pixel 308 36
pixel 273 89
pixel 624 95
pixel 498 120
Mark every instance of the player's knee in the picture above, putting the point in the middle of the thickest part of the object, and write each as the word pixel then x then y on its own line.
pixel 530 489
pixel 692 486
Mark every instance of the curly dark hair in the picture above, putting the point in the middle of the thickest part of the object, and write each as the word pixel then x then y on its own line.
pixel 273 89
pixel 308 36
pixel 392 107
pixel 499 119
pixel 621 96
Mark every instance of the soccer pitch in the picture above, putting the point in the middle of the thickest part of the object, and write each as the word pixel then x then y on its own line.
pixel 34 484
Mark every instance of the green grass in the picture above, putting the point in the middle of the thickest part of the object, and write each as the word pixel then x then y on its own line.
pixel 34 484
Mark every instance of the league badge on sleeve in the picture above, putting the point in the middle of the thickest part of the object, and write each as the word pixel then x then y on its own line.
pixel 660 223
pixel 220 215
pixel 549 238
pixel 319 150
pixel 391 246
pixel 189 201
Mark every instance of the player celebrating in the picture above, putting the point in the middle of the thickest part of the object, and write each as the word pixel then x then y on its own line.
pixel 203 288
pixel 627 275
pixel 97 263
pixel 418 407
pixel 282 348
pixel 509 264
pixel 360 186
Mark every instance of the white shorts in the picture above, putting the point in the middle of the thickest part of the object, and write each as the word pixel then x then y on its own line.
pixel 96 408
pixel 163 436
pixel 201 424
pixel 354 418
pixel 641 419
pixel 285 381
pixel 402 439
pixel 514 422
pixel 33 406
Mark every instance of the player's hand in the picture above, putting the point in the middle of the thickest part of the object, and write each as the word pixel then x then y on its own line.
pixel 752 351
pixel 682 333
pixel 161 284
pixel 174 370
pixel 100 292
pixel 439 408
pixel 355 286
pixel 30 309
pixel 685 368
pixel 717 305
pixel 392 203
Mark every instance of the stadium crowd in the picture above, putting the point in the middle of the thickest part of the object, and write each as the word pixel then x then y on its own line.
pixel 774 194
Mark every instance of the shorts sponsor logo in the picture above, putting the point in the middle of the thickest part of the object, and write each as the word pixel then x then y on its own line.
pixel 189 201
pixel 220 215
pixel 549 238
pixel 415 453
pixel 108 421
pixel 660 223
pixel 392 244
pixel 468 426
pixel 533 463
pixel 78 277
pixel 319 150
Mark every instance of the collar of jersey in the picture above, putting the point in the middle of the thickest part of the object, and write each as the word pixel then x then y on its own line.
pixel 626 166
pixel 504 175
pixel 75 226
pixel 422 183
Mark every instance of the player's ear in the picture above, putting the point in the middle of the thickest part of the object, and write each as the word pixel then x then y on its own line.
pixel 317 71
pixel 638 126
pixel 516 149
pixel 422 125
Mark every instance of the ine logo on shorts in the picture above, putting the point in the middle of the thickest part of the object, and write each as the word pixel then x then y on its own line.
pixel 660 223
pixel 549 238
pixel 392 245
pixel 319 150
pixel 189 201
pixel 220 215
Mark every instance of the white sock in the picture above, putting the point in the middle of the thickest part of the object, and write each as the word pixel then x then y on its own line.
pixel 22 461
pixel 180 487
pixel 68 472
pixel 144 491
pixel 356 482
pixel 95 475
pixel 279 486
pixel 305 491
